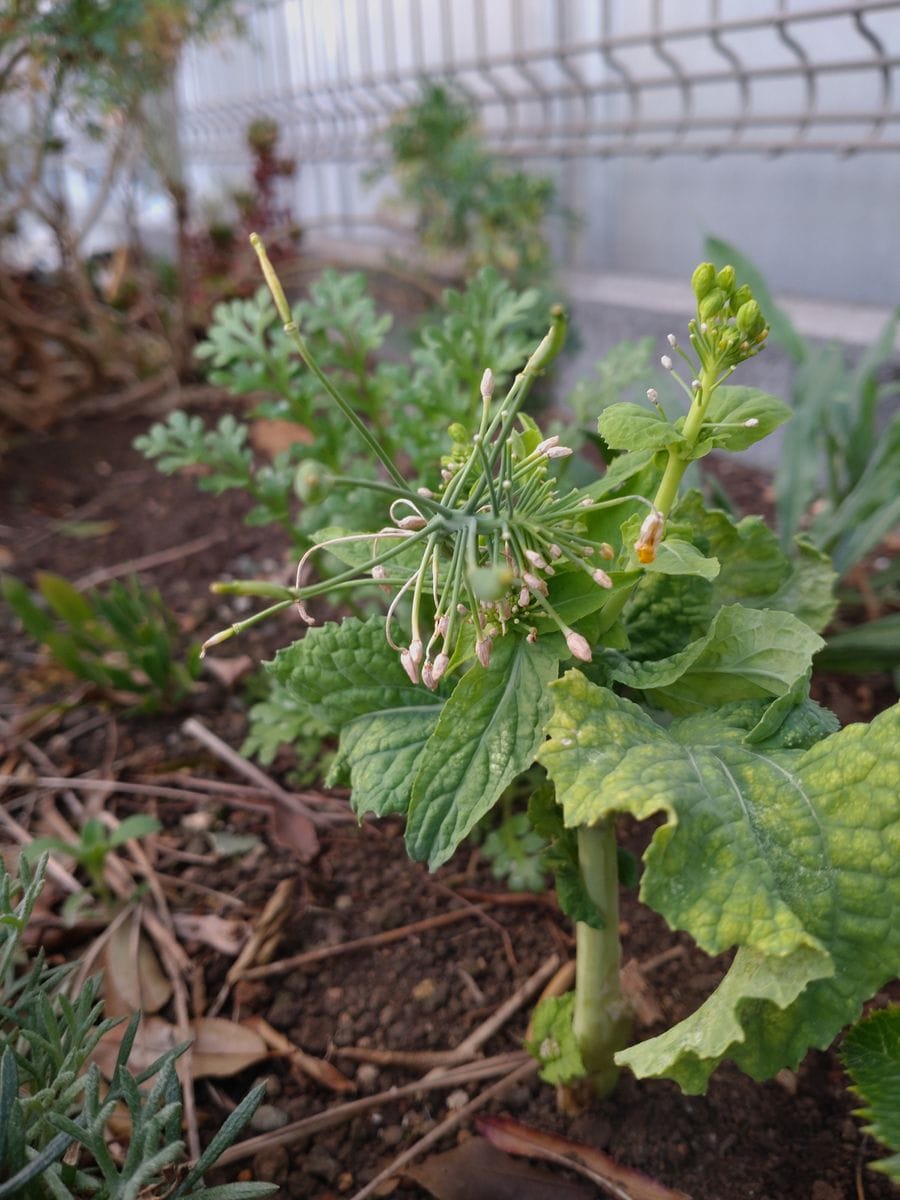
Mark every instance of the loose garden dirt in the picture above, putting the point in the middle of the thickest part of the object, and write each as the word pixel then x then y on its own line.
pixel 428 990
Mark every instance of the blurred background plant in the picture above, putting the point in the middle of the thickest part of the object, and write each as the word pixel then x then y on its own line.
pixel 871 1054
pixel 124 640
pixel 463 199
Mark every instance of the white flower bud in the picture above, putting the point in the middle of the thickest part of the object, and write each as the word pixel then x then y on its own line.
pixel 555 551
pixel 411 522
pixel 410 667
pixel 606 551
pixel 379 571
pixel 426 492
pixel 428 676
pixel 416 650
pixel 671 340
pixel 440 666
pixel 602 578
pixel 751 423
pixel 559 452
pixel 547 444
pixel 652 395
pixel 534 584
pixel 535 559
pixel 578 646
pixel 487 384
pixel 695 385
pixel 441 624
pixel 666 362
pixel 483 651
pixel 524 598
pixel 587 502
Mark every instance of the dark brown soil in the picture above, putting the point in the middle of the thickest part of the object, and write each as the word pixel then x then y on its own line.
pixel 791 1139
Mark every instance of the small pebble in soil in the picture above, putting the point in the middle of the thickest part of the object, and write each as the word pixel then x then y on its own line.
pixel 267 1118
pixel 333 1000
pixel 457 1099
pixel 367 1077
pixel 322 1165
pixel 343 903
pixel 271 1165
pixel 392 1135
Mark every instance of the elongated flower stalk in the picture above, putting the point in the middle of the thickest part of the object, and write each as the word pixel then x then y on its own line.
pixel 489 537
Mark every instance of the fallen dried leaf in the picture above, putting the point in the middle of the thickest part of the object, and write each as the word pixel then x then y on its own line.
pixel 291 830
pixel 228 671
pixel 476 1170
pixel 132 976
pixel 271 437
pixel 220 1047
pixel 625 1183
pixel 226 936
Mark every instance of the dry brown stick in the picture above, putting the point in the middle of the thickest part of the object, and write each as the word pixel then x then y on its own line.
pixel 56 872
pixel 486 918
pixel 439 1060
pixel 147 561
pixel 222 788
pixel 196 729
pixel 446 1126
pixel 55 782
pixel 363 943
pixel 331 1117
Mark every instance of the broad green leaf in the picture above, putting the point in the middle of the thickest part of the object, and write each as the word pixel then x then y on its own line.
pixel 561 857
pixel 553 1041
pixel 678 557
pixel 871 1054
pixel 792 856
pixel 488 732
pixel 808 591
pixel 363 547
pixel 724 426
pixel 667 612
pixel 381 752
pixel 634 427
pixel 343 671
pixel 747 653
pixel 574 595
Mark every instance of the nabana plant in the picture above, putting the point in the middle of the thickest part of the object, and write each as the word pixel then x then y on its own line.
pixel 654 656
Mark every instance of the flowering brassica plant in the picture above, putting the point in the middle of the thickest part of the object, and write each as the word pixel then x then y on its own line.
pixel 654 656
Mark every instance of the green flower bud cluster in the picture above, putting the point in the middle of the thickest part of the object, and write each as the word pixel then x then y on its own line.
pixel 729 327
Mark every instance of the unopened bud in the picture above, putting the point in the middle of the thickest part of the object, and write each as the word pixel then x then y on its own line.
pixel 559 452
pixel 440 667
pixel 413 521
pixel 749 319
pixel 600 577
pixel 379 572
pixel 671 339
pixel 703 279
pixel 725 280
pixel 534 584
pixel 535 559
pixel 695 385
pixel 441 625
pixel 426 492
pixel 416 650
pixel 555 551
pixel 740 297
pixel 652 395
pixel 312 482
pixel 524 598
pixel 578 646
pixel 483 651
pixel 547 444
pixel 606 551
pixel 458 432
pixel 751 422
pixel 587 502
pixel 487 384
pixel 410 667
pixel 428 675
pixel 666 362
pixel 712 303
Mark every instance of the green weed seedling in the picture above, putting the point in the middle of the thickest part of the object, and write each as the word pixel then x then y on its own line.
pixel 653 655
pixel 123 639
pixel 55 1112
pixel 93 847
pixel 871 1054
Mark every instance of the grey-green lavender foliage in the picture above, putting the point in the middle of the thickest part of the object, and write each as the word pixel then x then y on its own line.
pixel 55 1111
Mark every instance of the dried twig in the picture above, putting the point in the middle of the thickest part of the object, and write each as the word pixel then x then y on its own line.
pixel 363 943
pixel 147 561
pixel 446 1126
pixel 331 1117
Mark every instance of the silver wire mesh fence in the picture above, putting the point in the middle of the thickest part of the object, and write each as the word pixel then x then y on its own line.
pixel 560 78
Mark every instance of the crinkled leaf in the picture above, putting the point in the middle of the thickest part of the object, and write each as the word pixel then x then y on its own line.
pixel 808 591
pixel 735 406
pixel 634 427
pixel 380 752
pixel 487 733
pixel 343 671
pixel 753 565
pixel 574 596
pixel 871 1054
pixel 747 653
pixel 791 856
pixel 553 1041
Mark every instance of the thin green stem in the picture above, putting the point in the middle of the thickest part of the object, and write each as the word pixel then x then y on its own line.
pixel 601 1019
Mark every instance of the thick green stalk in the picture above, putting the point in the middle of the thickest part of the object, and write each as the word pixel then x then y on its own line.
pixel 677 465
pixel 601 1020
